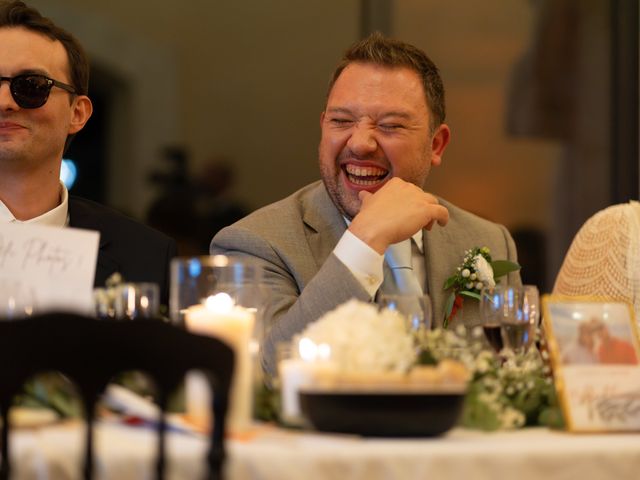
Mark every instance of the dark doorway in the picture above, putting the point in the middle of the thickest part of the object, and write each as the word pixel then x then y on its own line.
pixel 89 150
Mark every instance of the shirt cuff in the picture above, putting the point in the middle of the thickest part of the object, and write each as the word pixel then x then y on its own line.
pixel 362 261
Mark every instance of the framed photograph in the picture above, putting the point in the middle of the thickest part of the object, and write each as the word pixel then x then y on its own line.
pixel 595 354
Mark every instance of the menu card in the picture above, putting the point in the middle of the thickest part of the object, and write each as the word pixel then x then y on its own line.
pixel 53 267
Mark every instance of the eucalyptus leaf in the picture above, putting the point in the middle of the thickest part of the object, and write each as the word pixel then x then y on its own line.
pixel 448 306
pixel 450 282
pixel 503 267
pixel 470 294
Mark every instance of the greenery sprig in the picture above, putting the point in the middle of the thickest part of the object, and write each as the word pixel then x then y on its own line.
pixel 505 392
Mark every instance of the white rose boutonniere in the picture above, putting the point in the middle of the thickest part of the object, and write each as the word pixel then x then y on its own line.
pixel 484 271
pixel 478 270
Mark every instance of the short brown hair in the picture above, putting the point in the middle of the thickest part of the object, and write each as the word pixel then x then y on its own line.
pixel 17 14
pixel 388 52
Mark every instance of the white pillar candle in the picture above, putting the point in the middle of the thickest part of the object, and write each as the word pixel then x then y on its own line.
pixel 313 367
pixel 294 373
pixel 220 318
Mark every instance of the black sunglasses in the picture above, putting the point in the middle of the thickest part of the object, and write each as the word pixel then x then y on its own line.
pixel 31 90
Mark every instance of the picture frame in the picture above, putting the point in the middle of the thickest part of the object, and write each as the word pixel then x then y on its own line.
pixel 594 349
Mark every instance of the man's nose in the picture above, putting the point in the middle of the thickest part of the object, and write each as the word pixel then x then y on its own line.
pixel 362 140
pixel 6 99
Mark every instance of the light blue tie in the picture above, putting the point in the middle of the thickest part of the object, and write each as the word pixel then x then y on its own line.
pixel 402 279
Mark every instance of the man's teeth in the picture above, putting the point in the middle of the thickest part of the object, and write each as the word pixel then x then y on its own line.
pixel 365 175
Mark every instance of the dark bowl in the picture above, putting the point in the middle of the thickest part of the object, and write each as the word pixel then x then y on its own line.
pixel 383 414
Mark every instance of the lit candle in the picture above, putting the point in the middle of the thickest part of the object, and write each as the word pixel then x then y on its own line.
pixel 220 317
pixel 312 366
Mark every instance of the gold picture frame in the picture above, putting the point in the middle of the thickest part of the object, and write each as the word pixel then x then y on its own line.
pixel 594 348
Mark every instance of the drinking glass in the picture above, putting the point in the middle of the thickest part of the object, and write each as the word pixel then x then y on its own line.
pixel 509 316
pixel 137 300
pixel 415 308
pixel 16 300
pixel 490 316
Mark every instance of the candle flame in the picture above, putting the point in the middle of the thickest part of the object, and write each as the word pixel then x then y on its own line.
pixel 220 303
pixel 307 349
pixel 324 351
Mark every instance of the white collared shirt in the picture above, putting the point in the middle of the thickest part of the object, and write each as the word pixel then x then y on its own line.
pixel 57 217
pixel 366 264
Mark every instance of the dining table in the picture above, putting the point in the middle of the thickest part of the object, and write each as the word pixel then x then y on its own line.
pixel 269 452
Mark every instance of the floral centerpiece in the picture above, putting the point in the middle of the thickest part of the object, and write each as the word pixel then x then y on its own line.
pixel 500 394
pixel 374 341
pixel 504 392
pixel 477 271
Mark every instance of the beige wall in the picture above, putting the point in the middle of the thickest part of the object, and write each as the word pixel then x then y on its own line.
pixel 485 170
pixel 250 80
pixel 245 80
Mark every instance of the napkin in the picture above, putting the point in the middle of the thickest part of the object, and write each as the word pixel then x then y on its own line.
pixel 134 410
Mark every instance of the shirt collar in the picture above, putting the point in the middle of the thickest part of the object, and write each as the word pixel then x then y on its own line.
pixel 57 217
pixel 417 238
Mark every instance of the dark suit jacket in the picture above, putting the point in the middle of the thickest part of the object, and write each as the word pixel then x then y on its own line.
pixel 138 252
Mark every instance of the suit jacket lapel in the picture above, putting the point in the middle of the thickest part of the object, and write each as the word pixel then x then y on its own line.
pixel 81 216
pixel 444 252
pixel 324 221
pixel 434 242
pixel 441 253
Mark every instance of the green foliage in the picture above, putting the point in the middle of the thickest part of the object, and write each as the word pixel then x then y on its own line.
pixel 476 271
pixel 506 391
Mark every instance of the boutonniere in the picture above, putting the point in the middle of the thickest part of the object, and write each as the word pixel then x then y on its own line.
pixel 478 270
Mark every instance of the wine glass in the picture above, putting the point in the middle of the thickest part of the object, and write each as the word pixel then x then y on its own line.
pixel 416 309
pixel 490 312
pixel 510 315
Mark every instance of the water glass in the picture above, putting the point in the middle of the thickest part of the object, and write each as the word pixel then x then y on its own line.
pixel 136 300
pixel 16 300
pixel 509 316
pixel 415 308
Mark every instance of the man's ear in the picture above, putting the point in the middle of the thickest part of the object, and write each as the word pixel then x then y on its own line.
pixel 81 110
pixel 439 142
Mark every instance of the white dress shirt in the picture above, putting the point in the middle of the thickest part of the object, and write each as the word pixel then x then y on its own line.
pixel 366 264
pixel 57 217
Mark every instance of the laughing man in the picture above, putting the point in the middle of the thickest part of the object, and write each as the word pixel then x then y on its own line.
pixel 382 131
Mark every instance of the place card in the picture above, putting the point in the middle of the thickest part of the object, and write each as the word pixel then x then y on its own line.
pixel 54 267
pixel 595 353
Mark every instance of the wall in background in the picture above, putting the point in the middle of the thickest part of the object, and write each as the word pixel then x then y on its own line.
pixel 245 81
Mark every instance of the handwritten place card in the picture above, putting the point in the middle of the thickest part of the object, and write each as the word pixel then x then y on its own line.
pixel 54 267
pixel 595 352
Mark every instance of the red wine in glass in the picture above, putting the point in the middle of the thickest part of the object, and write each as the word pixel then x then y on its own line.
pixel 494 336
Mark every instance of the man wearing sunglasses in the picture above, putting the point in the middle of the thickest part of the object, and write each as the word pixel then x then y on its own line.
pixel 44 78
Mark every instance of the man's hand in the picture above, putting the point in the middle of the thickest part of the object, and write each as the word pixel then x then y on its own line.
pixel 394 213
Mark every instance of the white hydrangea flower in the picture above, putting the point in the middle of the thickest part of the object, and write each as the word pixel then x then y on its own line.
pixel 363 338
pixel 483 271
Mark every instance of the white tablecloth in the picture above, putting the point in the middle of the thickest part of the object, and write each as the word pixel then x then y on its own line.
pixel 270 453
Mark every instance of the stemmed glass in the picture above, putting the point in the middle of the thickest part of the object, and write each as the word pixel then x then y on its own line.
pixel 509 316
pixel 416 309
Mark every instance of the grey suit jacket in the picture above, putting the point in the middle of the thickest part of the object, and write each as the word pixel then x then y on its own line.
pixel 293 240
